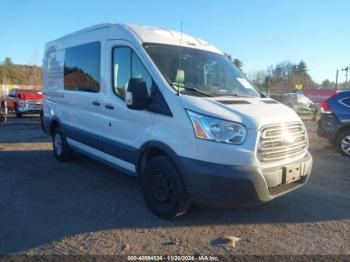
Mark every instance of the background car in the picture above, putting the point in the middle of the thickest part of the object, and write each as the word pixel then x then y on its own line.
pixel 24 101
pixel 302 105
pixel 334 123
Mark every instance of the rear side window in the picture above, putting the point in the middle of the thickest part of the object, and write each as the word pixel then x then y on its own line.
pixel 127 65
pixel 345 101
pixel 54 68
pixel 82 68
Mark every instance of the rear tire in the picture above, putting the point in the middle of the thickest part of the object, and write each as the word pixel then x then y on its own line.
pixel 61 149
pixel 163 188
pixel 18 115
pixel 343 143
pixel 42 121
pixel 3 118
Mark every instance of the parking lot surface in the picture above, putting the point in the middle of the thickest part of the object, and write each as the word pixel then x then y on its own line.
pixel 84 207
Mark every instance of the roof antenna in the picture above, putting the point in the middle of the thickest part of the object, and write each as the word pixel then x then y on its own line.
pixel 180 64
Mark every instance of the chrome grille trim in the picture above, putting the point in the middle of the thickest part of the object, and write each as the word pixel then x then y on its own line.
pixel 33 104
pixel 274 147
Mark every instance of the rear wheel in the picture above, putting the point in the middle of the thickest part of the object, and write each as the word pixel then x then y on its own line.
pixel 18 115
pixel 3 118
pixel 61 149
pixel 343 143
pixel 163 188
pixel 42 121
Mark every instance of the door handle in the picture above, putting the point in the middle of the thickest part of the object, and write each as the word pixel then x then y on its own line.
pixel 96 103
pixel 109 106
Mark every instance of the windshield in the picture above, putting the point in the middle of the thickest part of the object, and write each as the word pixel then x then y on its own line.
pixel 200 72
pixel 304 100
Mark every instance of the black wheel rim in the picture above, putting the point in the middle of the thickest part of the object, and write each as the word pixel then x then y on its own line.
pixel 161 187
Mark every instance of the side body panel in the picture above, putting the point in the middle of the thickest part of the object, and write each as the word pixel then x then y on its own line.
pixel 340 109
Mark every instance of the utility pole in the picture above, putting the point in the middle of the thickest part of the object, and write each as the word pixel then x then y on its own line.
pixel 336 80
pixel 346 69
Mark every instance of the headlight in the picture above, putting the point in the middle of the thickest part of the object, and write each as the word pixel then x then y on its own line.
pixel 218 130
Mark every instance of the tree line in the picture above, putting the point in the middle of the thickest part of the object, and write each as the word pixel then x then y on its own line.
pixel 11 73
pixel 284 77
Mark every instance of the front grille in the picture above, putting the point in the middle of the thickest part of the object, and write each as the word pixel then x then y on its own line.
pixel 273 191
pixel 34 105
pixel 282 141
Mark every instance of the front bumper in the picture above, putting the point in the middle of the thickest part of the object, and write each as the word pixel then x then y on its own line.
pixel 328 125
pixel 224 185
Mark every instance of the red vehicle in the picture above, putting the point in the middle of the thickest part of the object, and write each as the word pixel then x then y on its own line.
pixel 24 101
pixel 318 95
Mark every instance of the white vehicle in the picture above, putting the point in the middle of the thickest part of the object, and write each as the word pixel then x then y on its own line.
pixel 173 110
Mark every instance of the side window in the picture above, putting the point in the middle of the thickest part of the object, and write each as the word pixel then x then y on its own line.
pixel 127 65
pixel 54 69
pixel 346 101
pixel 121 69
pixel 139 71
pixel 82 68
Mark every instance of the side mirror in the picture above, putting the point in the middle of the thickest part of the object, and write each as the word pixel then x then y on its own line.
pixel 136 95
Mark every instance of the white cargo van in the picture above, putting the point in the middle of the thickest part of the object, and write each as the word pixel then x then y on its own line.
pixel 172 110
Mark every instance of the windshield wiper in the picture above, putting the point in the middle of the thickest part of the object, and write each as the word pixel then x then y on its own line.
pixel 192 89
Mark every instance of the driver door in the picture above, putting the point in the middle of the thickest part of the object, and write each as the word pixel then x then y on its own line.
pixel 127 129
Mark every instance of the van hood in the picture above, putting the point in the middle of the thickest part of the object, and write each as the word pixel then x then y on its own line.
pixel 252 112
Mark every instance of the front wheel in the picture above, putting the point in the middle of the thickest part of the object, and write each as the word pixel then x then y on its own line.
pixel 163 188
pixel 317 116
pixel 61 149
pixel 343 143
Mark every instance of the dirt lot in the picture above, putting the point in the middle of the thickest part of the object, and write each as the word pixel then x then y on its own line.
pixel 84 207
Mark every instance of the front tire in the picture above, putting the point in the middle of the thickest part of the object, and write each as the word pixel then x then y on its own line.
pixel 61 149
pixel 343 143
pixel 317 116
pixel 163 188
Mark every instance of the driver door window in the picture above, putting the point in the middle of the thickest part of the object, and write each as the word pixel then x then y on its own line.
pixel 127 65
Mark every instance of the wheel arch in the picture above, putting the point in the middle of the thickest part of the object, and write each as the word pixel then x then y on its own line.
pixel 341 130
pixel 54 123
pixel 156 148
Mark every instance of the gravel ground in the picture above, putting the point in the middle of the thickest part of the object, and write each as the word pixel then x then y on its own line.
pixel 83 207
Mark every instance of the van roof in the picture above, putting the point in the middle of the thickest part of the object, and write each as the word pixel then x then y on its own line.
pixel 151 34
pixel 144 34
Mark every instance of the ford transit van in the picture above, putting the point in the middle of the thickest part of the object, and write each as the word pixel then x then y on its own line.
pixel 174 111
